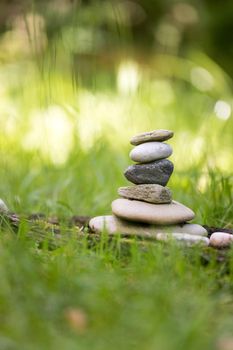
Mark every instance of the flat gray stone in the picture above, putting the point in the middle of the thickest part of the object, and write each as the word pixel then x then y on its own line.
pixel 184 238
pixel 221 240
pixel 159 214
pixel 150 151
pixel 157 172
pixel 155 135
pixel 114 225
pixel 147 193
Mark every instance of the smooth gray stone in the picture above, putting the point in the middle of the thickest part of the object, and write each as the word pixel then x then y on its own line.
pixel 158 214
pixel 148 193
pixel 221 240
pixel 150 151
pixel 114 225
pixel 3 207
pixel 155 135
pixel 157 172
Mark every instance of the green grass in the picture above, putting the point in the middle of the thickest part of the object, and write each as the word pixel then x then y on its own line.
pixel 145 298
pixel 152 297
pixel 137 296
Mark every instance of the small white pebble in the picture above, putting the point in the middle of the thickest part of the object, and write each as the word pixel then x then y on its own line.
pixel 221 239
pixel 3 207
pixel 184 238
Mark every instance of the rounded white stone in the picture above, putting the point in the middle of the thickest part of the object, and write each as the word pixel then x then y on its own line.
pixel 114 225
pixel 3 207
pixel 221 240
pixel 159 214
pixel 185 238
pixel 150 151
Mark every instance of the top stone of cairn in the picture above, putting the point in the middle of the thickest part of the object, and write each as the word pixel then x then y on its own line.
pixel 156 135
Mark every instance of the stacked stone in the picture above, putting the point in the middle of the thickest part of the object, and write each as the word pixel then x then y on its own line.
pixel 146 208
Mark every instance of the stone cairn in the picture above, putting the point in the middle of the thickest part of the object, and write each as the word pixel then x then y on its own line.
pixel 146 209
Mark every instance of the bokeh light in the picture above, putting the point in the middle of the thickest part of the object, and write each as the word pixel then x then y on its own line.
pixel 222 110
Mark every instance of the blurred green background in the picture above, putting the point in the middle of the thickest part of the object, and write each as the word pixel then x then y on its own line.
pixel 79 78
